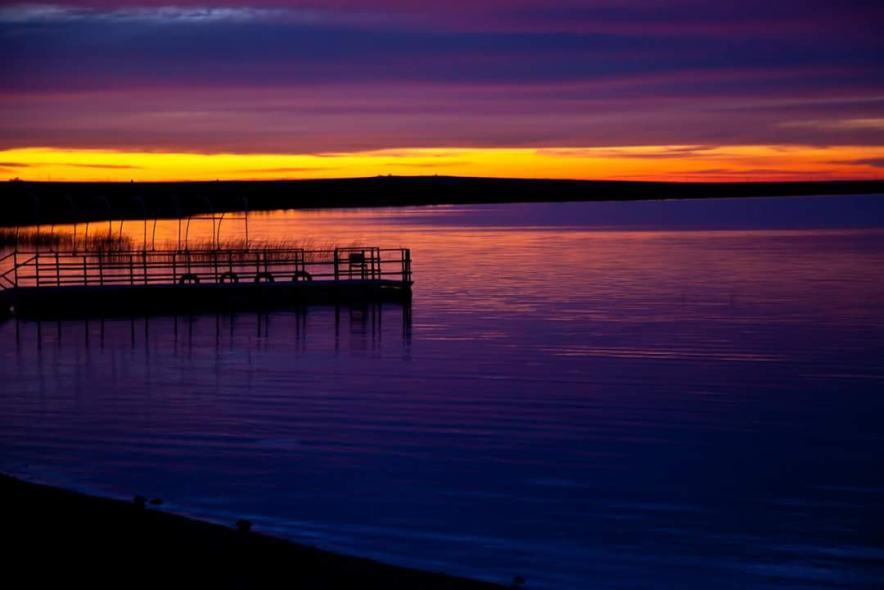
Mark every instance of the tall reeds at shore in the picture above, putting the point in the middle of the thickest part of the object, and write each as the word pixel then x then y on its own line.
pixel 53 240
pixel 314 250
pixel 110 242
pixel 10 238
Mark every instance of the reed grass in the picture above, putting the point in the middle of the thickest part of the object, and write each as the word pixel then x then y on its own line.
pixel 51 240
pixel 238 249
pixel 109 243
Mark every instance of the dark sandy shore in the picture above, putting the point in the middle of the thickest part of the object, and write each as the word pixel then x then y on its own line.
pixel 27 203
pixel 55 538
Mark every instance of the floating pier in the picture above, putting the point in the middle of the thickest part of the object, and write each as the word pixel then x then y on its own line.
pixel 79 283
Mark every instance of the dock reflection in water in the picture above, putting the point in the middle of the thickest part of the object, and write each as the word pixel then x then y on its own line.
pixel 350 327
pixel 641 395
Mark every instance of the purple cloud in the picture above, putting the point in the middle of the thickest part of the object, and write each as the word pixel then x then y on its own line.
pixel 341 74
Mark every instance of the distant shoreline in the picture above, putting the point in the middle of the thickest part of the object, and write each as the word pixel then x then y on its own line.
pixel 33 203
pixel 83 540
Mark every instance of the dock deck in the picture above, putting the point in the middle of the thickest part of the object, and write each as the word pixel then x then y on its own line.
pixel 59 283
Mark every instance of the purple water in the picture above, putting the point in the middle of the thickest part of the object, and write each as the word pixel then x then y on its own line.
pixel 617 395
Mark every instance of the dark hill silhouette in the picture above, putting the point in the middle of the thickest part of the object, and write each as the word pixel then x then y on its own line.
pixel 58 202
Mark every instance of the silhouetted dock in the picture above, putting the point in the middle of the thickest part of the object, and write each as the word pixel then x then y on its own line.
pixel 71 283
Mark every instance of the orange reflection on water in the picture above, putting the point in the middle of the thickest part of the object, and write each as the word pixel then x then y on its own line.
pixel 470 257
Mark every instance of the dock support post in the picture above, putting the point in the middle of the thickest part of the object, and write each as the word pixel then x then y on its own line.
pixel 380 274
pixel 336 264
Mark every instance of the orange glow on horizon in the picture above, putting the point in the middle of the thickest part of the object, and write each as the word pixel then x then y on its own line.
pixel 674 163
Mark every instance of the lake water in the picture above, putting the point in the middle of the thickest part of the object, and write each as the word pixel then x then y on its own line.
pixel 611 395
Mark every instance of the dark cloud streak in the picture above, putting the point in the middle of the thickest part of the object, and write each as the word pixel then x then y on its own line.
pixel 519 72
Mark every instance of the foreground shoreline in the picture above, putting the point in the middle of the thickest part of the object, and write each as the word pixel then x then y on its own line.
pixel 59 537
pixel 32 203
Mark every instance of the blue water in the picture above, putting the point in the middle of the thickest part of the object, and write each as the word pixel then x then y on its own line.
pixel 615 395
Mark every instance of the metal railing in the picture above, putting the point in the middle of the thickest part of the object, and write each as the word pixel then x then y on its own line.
pixel 211 266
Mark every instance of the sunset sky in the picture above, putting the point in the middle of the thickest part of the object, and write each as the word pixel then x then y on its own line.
pixel 642 89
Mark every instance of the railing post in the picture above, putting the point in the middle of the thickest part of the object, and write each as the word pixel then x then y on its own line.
pixel 155 270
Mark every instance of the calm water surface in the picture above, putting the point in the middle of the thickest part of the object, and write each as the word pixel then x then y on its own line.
pixel 633 395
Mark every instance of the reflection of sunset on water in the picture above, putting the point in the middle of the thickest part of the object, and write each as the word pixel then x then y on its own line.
pixel 576 371
pixel 573 294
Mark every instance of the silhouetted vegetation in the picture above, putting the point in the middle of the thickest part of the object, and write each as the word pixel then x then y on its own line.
pixel 237 247
pixel 109 242
pixel 9 238
pixel 54 240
